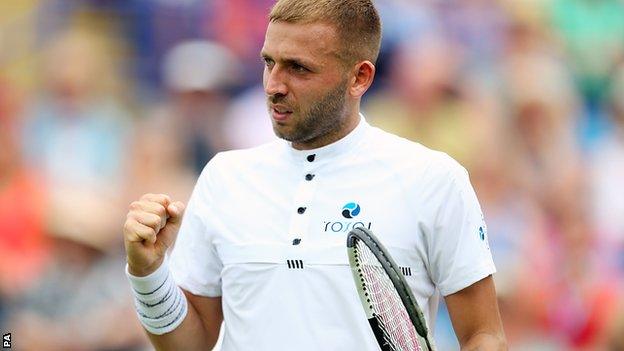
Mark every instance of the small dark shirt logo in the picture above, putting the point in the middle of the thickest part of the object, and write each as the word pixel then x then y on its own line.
pixel 350 210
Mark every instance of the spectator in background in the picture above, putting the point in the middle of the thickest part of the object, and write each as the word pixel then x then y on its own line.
pixel 160 162
pixel 514 221
pixel 428 102
pixel 80 302
pixel 197 76
pixel 75 135
pixel 406 20
pixel 616 337
pixel 569 282
pixel 592 33
pixel 239 25
pixel 479 28
pixel 246 124
pixel 156 26
pixel 542 114
pixel 23 246
pixel 606 171
pixel 565 290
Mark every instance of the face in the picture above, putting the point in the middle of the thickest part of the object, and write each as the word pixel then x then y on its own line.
pixel 305 82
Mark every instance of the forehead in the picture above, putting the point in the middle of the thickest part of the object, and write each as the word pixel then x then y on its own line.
pixel 315 41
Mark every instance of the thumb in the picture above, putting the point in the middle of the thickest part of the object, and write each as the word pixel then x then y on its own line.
pixel 175 211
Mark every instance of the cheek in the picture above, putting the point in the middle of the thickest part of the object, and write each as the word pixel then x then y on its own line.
pixel 265 76
pixel 307 97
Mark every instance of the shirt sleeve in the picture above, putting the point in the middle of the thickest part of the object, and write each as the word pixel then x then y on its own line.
pixel 194 262
pixel 459 253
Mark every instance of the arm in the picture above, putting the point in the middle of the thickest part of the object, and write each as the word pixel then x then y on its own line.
pixel 198 331
pixel 475 317
pixel 151 228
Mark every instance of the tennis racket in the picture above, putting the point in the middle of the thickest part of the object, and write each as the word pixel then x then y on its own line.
pixel 394 316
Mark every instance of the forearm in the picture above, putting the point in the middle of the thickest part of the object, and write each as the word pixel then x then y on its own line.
pixel 172 316
pixel 485 342
pixel 475 316
pixel 174 319
pixel 190 335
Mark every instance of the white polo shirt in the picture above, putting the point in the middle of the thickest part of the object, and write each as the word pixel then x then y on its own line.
pixel 266 229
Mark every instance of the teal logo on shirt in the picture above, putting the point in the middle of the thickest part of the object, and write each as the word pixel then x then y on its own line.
pixel 350 210
pixel 481 233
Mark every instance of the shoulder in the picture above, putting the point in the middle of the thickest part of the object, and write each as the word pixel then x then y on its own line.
pixel 245 160
pixel 233 172
pixel 412 158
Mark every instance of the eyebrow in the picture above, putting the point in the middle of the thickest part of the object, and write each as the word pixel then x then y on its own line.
pixel 290 60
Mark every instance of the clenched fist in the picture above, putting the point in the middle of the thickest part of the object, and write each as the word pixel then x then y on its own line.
pixel 151 227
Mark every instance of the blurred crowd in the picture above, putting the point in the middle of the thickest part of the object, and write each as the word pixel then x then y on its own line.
pixel 103 100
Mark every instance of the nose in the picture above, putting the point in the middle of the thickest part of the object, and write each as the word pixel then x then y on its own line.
pixel 274 84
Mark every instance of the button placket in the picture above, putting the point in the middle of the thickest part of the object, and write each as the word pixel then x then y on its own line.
pixel 300 218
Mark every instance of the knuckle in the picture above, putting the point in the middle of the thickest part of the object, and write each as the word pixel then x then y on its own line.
pixel 130 222
pixel 157 198
pixel 151 220
pixel 127 226
pixel 145 233
pixel 154 218
pixel 161 211
pixel 135 205
pixel 135 237
pixel 163 199
pixel 130 230
pixel 150 234
pixel 134 215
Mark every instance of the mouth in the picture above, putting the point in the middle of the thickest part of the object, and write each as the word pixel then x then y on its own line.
pixel 280 113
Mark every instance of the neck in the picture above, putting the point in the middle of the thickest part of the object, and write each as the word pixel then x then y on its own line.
pixel 349 123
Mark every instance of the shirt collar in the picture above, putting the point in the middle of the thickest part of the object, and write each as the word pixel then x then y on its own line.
pixel 334 149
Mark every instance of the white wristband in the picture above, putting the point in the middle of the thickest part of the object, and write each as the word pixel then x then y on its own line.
pixel 160 304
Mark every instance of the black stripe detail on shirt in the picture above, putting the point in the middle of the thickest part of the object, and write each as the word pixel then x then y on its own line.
pixel 295 264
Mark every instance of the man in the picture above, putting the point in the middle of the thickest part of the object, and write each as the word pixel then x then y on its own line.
pixel 262 243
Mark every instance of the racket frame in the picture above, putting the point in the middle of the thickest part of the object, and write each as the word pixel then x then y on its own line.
pixel 398 281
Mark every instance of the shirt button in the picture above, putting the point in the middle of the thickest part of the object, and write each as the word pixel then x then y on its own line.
pixel 309 177
pixel 311 157
pixel 301 210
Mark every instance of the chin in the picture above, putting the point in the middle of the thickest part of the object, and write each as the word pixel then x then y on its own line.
pixel 289 135
pixel 280 132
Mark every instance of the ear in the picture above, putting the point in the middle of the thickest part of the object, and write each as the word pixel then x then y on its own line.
pixel 362 78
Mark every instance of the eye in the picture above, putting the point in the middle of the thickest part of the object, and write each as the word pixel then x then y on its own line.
pixel 268 62
pixel 299 69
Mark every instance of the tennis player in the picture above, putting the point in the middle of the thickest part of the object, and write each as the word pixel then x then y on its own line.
pixel 262 243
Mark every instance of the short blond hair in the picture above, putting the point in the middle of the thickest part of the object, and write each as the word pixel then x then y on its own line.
pixel 357 23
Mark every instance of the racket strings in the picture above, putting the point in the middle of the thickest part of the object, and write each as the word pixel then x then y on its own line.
pixel 385 302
